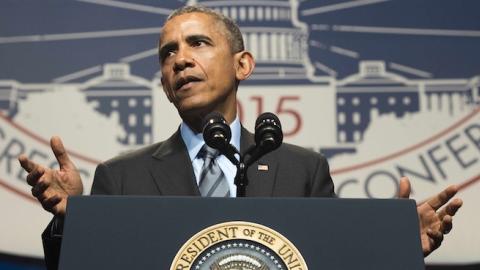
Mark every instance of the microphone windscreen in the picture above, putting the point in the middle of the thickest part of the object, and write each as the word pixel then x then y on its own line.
pixel 212 117
pixel 216 131
pixel 269 117
pixel 268 131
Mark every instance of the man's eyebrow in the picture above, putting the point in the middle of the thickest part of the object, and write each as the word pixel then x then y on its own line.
pixel 173 44
pixel 198 37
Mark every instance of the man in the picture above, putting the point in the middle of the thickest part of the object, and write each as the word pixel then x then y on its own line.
pixel 203 60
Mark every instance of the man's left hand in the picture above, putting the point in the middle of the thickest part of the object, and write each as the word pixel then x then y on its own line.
pixel 435 220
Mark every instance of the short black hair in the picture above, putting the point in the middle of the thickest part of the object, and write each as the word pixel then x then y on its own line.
pixel 233 33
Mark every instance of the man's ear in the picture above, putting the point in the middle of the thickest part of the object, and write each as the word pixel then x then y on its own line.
pixel 165 90
pixel 244 65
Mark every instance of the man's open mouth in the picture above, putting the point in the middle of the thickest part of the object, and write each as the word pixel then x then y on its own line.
pixel 185 80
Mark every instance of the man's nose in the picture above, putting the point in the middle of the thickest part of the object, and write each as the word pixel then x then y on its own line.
pixel 183 60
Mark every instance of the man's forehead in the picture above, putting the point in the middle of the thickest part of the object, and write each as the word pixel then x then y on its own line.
pixel 188 23
pixel 188 20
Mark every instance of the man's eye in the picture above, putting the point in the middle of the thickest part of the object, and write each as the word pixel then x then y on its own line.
pixel 167 54
pixel 199 43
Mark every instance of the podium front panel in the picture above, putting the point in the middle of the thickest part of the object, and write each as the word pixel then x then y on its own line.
pixel 124 232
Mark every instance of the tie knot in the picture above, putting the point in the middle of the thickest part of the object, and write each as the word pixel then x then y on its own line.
pixel 208 152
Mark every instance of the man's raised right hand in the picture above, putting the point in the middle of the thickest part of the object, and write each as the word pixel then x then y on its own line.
pixel 52 187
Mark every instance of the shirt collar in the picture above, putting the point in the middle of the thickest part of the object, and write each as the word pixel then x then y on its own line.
pixel 194 142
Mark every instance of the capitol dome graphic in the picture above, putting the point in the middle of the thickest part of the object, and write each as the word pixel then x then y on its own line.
pixel 272 32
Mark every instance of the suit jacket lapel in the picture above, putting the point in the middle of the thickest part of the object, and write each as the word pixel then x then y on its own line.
pixel 172 169
pixel 262 173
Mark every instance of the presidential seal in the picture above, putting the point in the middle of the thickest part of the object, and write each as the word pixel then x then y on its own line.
pixel 238 245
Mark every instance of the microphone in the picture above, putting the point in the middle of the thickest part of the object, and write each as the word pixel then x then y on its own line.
pixel 268 136
pixel 268 132
pixel 217 134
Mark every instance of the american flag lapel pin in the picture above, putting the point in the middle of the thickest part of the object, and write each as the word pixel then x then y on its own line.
pixel 263 167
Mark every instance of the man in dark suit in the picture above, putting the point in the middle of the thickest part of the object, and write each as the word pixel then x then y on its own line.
pixel 203 60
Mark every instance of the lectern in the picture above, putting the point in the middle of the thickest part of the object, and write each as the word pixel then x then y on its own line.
pixel 123 232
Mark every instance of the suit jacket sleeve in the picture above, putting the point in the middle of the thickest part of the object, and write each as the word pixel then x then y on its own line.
pixel 52 241
pixel 322 185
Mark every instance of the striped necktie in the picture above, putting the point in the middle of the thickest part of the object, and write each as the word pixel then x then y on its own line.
pixel 213 182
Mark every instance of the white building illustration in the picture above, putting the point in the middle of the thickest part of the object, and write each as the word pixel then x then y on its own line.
pixel 272 32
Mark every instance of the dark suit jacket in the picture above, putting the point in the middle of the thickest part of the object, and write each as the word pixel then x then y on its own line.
pixel 165 169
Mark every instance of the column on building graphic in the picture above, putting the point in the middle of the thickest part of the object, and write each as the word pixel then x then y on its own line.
pixel 279 47
pixel 452 96
pixel 371 92
pixel 130 97
pixel 475 86
pixel 8 98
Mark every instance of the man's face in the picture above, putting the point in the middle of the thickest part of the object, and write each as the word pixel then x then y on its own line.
pixel 198 70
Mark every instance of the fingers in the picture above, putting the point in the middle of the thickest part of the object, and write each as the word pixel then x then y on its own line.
pixel 450 209
pixel 26 163
pixel 43 190
pixel 443 197
pixel 34 170
pixel 435 238
pixel 50 200
pixel 45 185
pixel 404 189
pixel 60 153
pixel 34 176
pixel 51 203
pixel 447 224
pixel 39 189
pixel 54 205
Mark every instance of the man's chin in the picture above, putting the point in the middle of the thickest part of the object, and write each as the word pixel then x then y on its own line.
pixel 194 110
pixel 193 116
